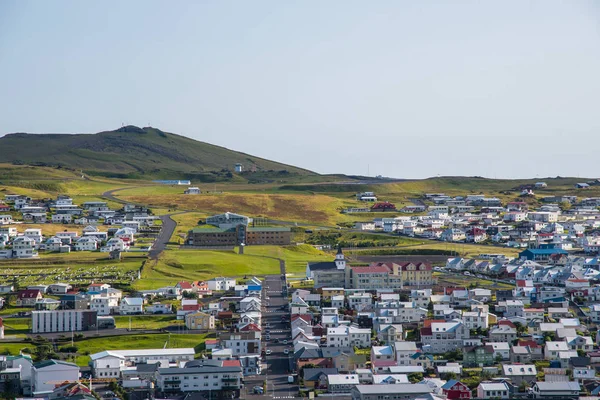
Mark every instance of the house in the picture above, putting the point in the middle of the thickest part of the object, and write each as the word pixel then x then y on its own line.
pixel 454 389
pixel 200 320
pixel 441 337
pixel 519 373
pixel 552 349
pixel 563 390
pixel 131 306
pixel 505 331
pixel 86 243
pixel 404 352
pixel 103 303
pixel 28 297
pixel 540 254
pixel 24 247
pixel 45 374
pixel 338 383
pixel 159 308
pixel 221 284
pixel 345 336
pixel 493 390
pixel 207 376
pixel 383 206
pixel 192 190
pixel 478 356
pixel 6 219
pixel 59 288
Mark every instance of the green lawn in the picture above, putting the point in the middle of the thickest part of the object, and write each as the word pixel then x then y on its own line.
pixel 177 265
pixel 466 281
pixel 295 257
pixel 147 321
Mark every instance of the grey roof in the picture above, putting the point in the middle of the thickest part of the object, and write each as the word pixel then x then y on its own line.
pixel 312 374
pixel 393 388
pixel 558 386
pixel 321 266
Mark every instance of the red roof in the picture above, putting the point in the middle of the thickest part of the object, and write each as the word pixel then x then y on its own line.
pixel 211 341
pixel 371 270
pixel 305 317
pixel 507 323
pixel 231 363
pixel 190 307
pixel 224 314
pixel 251 327
pixel 418 264
pixel 184 285
pixel 28 294
pixel 383 206
pixel 426 331
pixel 96 284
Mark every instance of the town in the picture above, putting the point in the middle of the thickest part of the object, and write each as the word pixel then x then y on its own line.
pixel 493 325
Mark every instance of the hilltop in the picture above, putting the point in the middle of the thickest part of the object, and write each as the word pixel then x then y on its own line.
pixel 133 152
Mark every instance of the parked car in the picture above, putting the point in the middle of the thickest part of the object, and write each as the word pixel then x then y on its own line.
pixel 258 390
pixel 285 341
pixel 268 352
pixel 286 351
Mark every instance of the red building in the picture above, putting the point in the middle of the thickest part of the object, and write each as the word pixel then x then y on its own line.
pixel 454 389
pixel 383 206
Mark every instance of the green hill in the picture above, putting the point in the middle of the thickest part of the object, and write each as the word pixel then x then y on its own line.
pixel 132 152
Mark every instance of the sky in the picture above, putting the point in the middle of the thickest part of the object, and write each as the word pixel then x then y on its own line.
pixel 405 89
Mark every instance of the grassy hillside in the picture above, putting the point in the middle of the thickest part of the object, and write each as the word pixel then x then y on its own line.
pixel 132 152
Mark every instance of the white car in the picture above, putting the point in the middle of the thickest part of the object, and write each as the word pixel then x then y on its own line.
pixel 286 351
pixel 268 352
pixel 285 341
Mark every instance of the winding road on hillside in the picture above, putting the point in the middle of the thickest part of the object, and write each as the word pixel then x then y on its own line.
pixel 166 231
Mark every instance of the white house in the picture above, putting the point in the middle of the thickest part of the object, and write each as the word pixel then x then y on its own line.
pixel 104 304
pixel 131 305
pixel 347 336
pixel 45 374
pixel 24 247
pixel 493 390
pixel 6 219
pixel 86 243
pixel 221 283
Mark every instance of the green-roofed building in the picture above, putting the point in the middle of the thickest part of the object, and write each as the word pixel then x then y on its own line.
pixel 219 237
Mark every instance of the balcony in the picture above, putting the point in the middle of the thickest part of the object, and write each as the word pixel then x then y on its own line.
pixel 230 386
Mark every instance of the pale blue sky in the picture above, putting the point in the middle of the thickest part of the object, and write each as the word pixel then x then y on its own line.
pixel 404 88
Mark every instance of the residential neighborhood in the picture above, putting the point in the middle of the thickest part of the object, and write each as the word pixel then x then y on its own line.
pixel 487 326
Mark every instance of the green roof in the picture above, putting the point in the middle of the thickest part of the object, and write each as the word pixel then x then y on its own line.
pixel 47 363
pixel 210 230
pixel 265 229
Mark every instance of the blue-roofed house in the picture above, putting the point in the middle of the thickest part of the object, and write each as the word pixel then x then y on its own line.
pixel 540 254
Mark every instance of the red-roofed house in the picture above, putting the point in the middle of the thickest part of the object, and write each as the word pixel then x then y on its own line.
pixel 383 206
pixel 184 286
pixel 250 327
pixel 202 288
pixel 28 297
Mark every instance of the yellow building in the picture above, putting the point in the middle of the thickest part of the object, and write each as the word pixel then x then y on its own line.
pixel 328 293
pixel 199 320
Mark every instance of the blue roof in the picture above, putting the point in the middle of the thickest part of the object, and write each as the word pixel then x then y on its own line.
pixel 448 385
pixel 254 287
pixel 545 251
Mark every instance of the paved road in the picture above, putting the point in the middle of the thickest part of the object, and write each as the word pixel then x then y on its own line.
pixel 166 231
pixel 164 236
pixel 276 370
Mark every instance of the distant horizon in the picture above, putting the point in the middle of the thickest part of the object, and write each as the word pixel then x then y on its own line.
pixel 301 166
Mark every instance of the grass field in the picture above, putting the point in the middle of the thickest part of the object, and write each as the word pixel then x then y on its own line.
pixel 177 265
pixel 125 342
pixel 147 321
pixel 295 257
pixel 301 208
